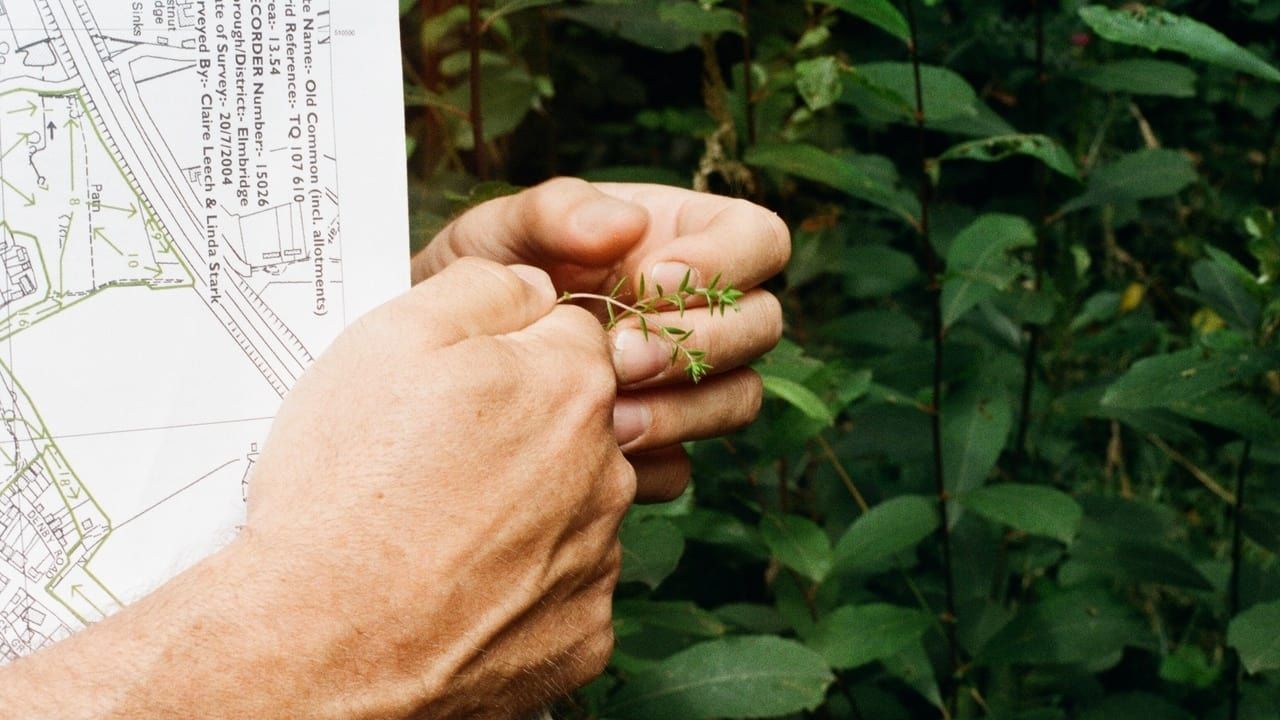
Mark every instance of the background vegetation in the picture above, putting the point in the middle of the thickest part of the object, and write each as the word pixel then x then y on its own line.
pixel 1018 460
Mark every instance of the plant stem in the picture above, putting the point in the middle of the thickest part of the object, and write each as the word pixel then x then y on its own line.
pixel 843 474
pixel 1233 597
pixel 477 105
pixel 935 290
pixel 677 343
pixel 748 80
pixel 1042 180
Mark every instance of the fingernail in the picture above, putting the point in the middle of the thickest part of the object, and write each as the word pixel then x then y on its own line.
pixel 537 278
pixel 671 274
pixel 638 357
pixel 631 419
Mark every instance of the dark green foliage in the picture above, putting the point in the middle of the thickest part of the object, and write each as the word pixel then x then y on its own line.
pixel 1100 183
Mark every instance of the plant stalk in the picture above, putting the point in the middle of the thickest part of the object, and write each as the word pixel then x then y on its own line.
pixel 1233 597
pixel 477 105
pixel 748 80
pixel 935 289
pixel 1039 260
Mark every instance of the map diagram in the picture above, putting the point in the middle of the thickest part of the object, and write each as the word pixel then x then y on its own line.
pixel 171 261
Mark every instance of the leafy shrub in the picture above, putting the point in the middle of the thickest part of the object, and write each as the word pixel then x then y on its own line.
pixel 1017 461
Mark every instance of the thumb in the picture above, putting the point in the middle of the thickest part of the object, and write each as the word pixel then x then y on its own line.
pixel 565 220
pixel 475 297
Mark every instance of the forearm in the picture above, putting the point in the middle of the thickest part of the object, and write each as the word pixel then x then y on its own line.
pixel 206 645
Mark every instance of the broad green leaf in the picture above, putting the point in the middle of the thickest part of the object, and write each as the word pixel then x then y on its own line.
pixel 1157 29
pixel 886 92
pixel 1235 411
pixel 651 550
pixel 696 18
pixel 985 122
pixel 1033 509
pixel 812 163
pixel 1220 287
pixel 1142 77
pixel 683 618
pixel 975 427
pixel 1137 561
pixel 1076 626
pixel 715 527
pixel 977 262
pixel 752 618
pixel 740 677
pixel 507 7
pixel 799 397
pixel 798 544
pixel 1000 147
pixel 1189 665
pixel 914 667
pixel 853 636
pixel 637 21
pixel 1162 380
pixel 892 527
pixel 509 94
pixel 1141 175
pixel 818 81
pixel 880 13
pixel 876 328
pixel 1255 634
pixel 873 271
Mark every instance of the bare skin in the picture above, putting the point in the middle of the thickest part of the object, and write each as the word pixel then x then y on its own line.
pixel 442 542
pixel 453 562
pixel 588 237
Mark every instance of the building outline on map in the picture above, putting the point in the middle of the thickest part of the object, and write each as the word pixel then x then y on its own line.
pixel 172 262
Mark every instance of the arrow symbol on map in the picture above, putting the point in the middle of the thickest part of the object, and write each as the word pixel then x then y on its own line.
pixel 131 211
pixel 79 590
pixel 30 199
pixel 99 235
pixel 30 109
pixel 51 127
pixel 22 137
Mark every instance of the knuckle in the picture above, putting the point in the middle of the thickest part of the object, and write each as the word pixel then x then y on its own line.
pixel 547 200
pixel 492 273
pixel 620 491
pixel 493 365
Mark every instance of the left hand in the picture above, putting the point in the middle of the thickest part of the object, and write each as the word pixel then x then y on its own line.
pixel 590 236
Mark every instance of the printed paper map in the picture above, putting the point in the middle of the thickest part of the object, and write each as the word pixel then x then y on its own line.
pixel 195 197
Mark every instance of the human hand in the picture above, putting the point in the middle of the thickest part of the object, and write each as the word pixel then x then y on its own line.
pixel 432 532
pixel 588 238
pixel 464 507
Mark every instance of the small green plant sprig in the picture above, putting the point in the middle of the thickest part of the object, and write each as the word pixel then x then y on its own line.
pixel 717 298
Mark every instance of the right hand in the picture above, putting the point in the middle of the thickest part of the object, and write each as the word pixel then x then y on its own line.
pixel 438 503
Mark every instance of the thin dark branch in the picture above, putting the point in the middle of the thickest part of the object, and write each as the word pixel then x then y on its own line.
pixel 935 290
pixel 1233 596
pixel 1042 211
pixel 748 80
pixel 477 96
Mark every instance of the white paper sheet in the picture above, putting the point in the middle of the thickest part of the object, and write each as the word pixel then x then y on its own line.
pixel 196 197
